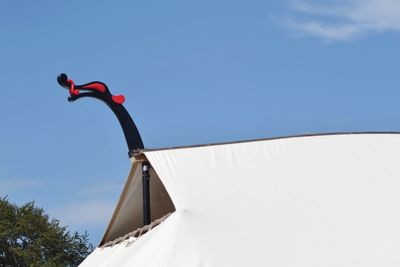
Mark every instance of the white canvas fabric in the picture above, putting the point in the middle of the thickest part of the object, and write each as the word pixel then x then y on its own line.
pixel 328 200
pixel 128 215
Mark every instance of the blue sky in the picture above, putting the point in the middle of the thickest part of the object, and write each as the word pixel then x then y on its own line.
pixel 192 72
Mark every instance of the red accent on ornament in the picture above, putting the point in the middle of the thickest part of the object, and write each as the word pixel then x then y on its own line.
pixel 96 86
pixel 72 89
pixel 119 99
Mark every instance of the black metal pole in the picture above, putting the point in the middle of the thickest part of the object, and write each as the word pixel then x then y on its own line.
pixel 146 193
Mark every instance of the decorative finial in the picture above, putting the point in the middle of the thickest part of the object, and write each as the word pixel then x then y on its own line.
pixel 100 91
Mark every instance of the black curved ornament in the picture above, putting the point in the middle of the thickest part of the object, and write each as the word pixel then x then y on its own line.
pixel 100 91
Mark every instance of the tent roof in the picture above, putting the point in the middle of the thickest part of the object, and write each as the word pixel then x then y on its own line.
pixel 315 200
pixel 139 151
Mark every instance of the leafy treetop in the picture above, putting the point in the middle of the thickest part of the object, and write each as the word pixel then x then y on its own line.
pixel 29 238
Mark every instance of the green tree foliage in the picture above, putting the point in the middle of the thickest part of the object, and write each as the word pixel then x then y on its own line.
pixel 29 238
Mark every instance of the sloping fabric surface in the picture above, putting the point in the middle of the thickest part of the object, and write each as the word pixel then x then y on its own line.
pixel 308 201
pixel 128 215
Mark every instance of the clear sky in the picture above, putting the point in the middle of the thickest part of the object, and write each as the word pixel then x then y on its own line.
pixel 192 72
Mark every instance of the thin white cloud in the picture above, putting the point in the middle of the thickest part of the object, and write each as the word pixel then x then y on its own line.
pixel 92 212
pixel 8 186
pixel 103 189
pixel 343 19
pixel 93 206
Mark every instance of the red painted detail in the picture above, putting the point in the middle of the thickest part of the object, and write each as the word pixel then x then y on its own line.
pixel 72 89
pixel 96 86
pixel 119 99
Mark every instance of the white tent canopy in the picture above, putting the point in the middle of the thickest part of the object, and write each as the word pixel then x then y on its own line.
pixel 325 200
